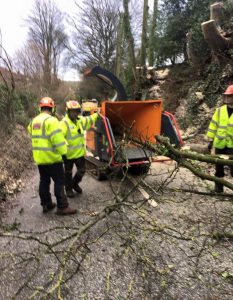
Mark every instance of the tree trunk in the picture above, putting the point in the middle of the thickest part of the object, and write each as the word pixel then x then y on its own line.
pixel 216 13
pixel 47 73
pixel 193 59
pixel 129 38
pixel 152 35
pixel 144 33
pixel 8 82
pixel 119 49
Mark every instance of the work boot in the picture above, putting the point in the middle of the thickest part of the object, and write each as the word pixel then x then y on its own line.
pixel 66 211
pixel 77 189
pixel 70 193
pixel 218 188
pixel 47 208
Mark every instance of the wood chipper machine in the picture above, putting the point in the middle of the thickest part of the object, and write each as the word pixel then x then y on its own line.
pixel 117 139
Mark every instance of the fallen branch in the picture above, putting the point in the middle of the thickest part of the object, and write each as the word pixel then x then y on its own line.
pixel 182 159
pixel 179 190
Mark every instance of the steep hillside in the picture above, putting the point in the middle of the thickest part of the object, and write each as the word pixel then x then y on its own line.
pixel 192 96
pixel 173 84
pixel 15 159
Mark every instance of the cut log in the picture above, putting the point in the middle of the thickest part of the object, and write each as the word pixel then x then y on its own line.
pixel 216 13
pixel 216 41
pixel 193 58
pixel 199 148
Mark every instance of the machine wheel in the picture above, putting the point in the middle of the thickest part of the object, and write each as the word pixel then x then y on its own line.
pixel 139 169
pixel 101 174
pixel 96 168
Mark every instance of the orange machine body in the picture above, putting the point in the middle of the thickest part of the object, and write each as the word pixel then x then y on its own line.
pixel 141 119
pixel 113 137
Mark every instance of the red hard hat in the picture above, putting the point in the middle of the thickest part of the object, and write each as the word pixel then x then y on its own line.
pixel 229 90
pixel 47 102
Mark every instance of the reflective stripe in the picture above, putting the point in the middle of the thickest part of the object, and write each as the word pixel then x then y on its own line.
pixel 230 125
pixel 219 113
pixel 43 128
pixel 54 132
pixel 59 145
pixel 222 127
pixel 68 130
pixel 49 148
pixel 220 137
pixel 75 147
pixel 46 137
pixel 214 122
pixel 76 136
pixel 211 130
pixel 43 149
pixel 69 136
pixel 39 137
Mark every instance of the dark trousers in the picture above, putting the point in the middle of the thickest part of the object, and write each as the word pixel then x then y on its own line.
pixel 56 172
pixel 71 181
pixel 219 169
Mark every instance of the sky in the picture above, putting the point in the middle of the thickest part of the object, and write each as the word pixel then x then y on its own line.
pixel 14 31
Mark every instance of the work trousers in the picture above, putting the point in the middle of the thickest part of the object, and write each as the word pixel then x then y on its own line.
pixel 56 172
pixel 219 169
pixel 70 180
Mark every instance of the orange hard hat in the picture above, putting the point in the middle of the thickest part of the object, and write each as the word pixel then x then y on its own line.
pixel 47 102
pixel 72 104
pixel 229 90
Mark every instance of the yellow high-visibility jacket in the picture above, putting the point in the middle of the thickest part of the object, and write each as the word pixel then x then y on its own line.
pixel 221 128
pixel 74 134
pixel 48 142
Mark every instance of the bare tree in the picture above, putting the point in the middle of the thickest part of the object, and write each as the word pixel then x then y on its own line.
pixel 133 17
pixel 129 37
pixel 47 35
pixel 94 34
pixel 7 87
pixel 28 61
pixel 119 47
pixel 152 34
pixel 144 33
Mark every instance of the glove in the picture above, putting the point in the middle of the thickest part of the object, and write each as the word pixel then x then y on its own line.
pixel 64 158
pixel 210 146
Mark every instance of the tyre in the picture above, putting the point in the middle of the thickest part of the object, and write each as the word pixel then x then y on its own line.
pixel 139 169
pixel 101 174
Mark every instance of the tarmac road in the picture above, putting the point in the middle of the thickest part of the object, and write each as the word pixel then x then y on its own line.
pixel 161 250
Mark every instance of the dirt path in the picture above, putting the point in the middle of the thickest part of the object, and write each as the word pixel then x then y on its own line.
pixel 168 251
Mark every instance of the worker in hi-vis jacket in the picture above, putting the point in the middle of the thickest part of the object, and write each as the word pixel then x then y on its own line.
pixel 73 126
pixel 220 132
pixel 48 148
